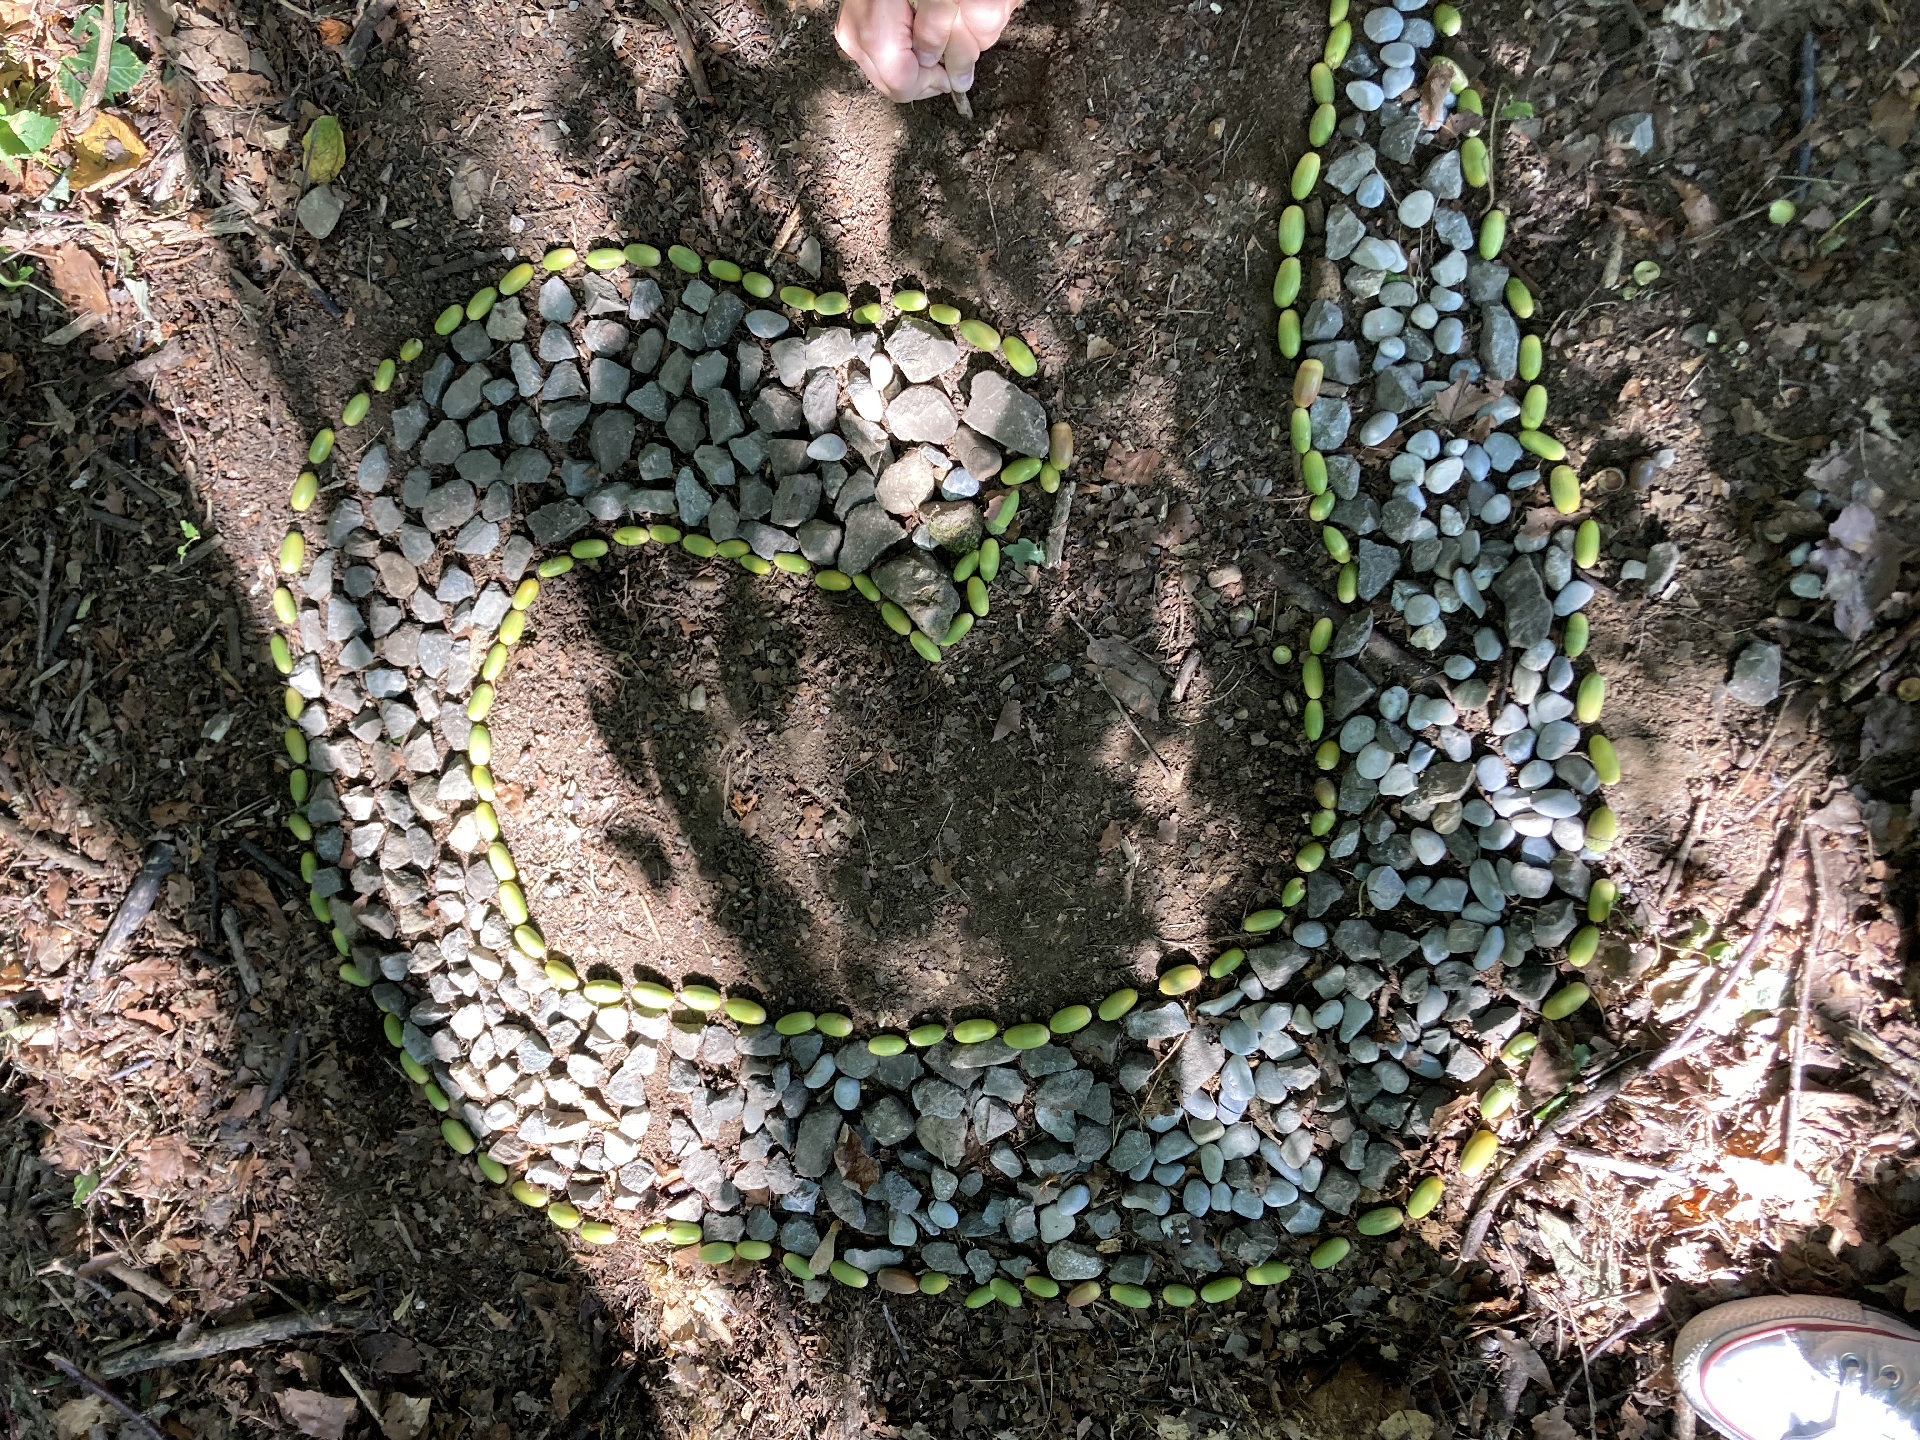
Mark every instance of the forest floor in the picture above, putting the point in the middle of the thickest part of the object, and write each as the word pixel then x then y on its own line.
pixel 713 781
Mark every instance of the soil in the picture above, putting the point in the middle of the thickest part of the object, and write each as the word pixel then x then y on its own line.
pixel 712 776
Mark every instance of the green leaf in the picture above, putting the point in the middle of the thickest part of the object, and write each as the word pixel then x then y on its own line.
pixel 1023 552
pixel 27 132
pixel 83 1188
pixel 1516 110
pixel 124 68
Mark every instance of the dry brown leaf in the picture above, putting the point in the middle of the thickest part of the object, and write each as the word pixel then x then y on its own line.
pixel 1112 835
pixel 1433 94
pixel 77 1417
pixel 859 1169
pixel 1129 467
pixel 404 1417
pixel 165 1161
pixel 1892 115
pixel 334 32
pixel 1552 1425
pixel 1008 722
pixel 1134 680
pixel 1461 400
pixel 391 1353
pixel 76 276
pixel 106 150
pixel 821 1260
pixel 1702 214
pixel 324 1417
pixel 1524 1356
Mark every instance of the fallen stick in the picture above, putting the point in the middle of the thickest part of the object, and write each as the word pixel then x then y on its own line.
pixel 230 924
pixel 1605 1091
pixel 267 863
pixel 94 1387
pixel 683 42
pixel 1139 734
pixel 47 850
pixel 1803 998
pixel 1632 1169
pixel 1057 527
pixel 288 1054
pixel 145 890
pixel 1671 890
pixel 249 1336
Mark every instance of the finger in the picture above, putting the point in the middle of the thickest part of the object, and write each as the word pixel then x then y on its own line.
pixel 878 36
pixel 963 52
pixel 932 28
pixel 986 19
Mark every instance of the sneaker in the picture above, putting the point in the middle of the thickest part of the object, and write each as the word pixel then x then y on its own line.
pixel 1796 1367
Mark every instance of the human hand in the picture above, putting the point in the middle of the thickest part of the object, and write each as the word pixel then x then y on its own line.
pixel 911 54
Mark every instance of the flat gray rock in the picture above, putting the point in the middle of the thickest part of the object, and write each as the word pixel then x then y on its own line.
pixel 796 500
pixel 921 350
pixel 870 533
pixel 922 413
pixel 907 484
pixel 922 589
pixel 561 520
pixel 449 506
pixel 464 396
pixel 1006 414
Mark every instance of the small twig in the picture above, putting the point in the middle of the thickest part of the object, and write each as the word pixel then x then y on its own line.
pixel 230 924
pixel 785 233
pixel 137 905
pixel 103 33
pixel 1774 799
pixel 1671 891
pixel 266 862
pixel 353 1383
pixel 647 910
pixel 460 267
pixel 1057 527
pixel 1189 668
pixel 86 1382
pixel 45 604
pixel 894 1331
pixel 1614 1164
pixel 1809 959
pixel 249 1336
pixel 676 23
pixel 1138 732
pixel 287 1057
pixel 307 277
pixel 48 850
pixel 1676 1047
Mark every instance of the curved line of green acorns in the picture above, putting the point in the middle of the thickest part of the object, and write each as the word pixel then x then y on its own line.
pixel 972 574
pixel 1477 1153
pixel 1564 488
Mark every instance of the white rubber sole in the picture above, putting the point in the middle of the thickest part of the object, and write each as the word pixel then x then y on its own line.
pixel 1711 1329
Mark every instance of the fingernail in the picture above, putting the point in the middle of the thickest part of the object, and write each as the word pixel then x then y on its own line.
pixel 927 58
pixel 963 81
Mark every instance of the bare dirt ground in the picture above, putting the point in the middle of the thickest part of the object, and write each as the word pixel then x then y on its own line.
pixel 714 776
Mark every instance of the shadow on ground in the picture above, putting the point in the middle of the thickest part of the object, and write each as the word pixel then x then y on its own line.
pixel 1092 201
